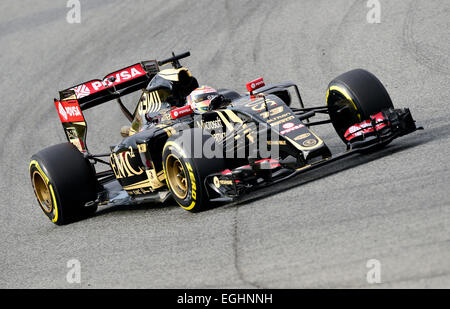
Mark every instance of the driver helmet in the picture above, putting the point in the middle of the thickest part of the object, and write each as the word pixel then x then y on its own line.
pixel 200 98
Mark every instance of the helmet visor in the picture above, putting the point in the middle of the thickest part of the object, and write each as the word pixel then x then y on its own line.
pixel 204 97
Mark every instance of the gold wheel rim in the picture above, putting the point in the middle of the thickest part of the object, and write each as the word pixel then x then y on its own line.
pixel 176 176
pixel 42 192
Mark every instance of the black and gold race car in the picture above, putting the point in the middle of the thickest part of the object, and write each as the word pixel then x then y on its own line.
pixel 243 142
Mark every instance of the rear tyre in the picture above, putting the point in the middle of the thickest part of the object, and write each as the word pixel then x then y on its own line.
pixel 353 97
pixel 63 182
pixel 185 174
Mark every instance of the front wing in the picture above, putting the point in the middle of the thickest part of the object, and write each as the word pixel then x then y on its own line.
pixel 380 130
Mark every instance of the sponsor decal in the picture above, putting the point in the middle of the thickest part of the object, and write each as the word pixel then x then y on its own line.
pixel 180 112
pixel 62 112
pixel 72 133
pixel 226 182
pixel 256 84
pixel 358 130
pixel 69 111
pixel 121 76
pixel 153 179
pixel 276 142
pixel 81 91
pixel 278 117
pixel 302 136
pixel 210 125
pixel 292 128
pixel 121 166
pixel 264 104
pixel 282 120
pixel 221 182
pixel 366 127
pixel 309 142
pixel 288 125
pixel 149 102
pixel 140 191
pixel 142 148
pixel 219 136
pixel 193 185
pixel 273 112
pixel 216 182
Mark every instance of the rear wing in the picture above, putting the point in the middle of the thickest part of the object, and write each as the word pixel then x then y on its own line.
pixel 126 80
pixel 74 100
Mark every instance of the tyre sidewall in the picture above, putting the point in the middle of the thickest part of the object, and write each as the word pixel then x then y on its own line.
pixel 195 195
pixel 198 168
pixel 55 215
pixel 72 179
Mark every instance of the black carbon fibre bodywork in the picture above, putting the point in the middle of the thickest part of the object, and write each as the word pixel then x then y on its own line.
pixel 263 137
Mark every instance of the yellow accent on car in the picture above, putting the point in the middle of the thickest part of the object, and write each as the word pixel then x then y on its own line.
pixel 176 146
pixel 173 74
pixel 193 187
pixel 55 219
pixel 138 185
pixel 225 120
pixel 55 204
pixel 232 115
pixel 34 162
pixel 191 175
pixel 346 95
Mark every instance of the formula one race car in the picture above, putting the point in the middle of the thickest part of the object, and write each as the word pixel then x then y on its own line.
pixel 240 143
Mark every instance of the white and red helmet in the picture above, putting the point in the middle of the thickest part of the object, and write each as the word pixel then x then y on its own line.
pixel 200 98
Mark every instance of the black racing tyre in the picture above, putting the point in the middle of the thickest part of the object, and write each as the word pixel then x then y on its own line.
pixel 63 182
pixel 353 97
pixel 185 172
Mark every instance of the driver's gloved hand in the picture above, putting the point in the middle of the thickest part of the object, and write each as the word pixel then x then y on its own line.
pixel 125 131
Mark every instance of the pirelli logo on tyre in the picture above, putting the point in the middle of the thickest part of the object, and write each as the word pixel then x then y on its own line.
pixel 193 185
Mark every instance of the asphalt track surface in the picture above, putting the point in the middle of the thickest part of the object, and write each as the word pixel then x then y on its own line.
pixel 317 230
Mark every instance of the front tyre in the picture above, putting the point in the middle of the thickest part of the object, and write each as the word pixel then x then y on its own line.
pixel 63 182
pixel 353 97
pixel 185 173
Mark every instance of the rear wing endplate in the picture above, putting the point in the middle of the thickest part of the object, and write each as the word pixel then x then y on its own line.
pixel 95 92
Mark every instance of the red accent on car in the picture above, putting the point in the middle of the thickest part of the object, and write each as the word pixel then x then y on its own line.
pixel 69 111
pixel 380 121
pixel 256 84
pixel 358 130
pixel 243 167
pixel 273 163
pixel 366 127
pixel 121 76
pixel 82 145
pixel 181 112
